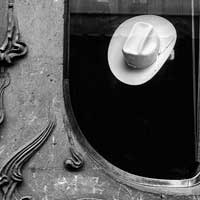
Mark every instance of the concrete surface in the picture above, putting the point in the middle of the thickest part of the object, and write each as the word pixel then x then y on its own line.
pixel 36 90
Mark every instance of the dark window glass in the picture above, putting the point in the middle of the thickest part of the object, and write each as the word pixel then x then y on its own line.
pixel 147 130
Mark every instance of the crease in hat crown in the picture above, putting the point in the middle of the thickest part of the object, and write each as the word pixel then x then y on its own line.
pixel 142 46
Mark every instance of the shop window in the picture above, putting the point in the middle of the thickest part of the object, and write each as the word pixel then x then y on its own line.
pixel 150 129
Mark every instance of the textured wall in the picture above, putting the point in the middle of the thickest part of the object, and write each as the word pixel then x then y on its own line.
pixel 36 90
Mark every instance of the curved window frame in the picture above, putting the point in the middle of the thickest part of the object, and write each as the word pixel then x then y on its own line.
pixel 122 176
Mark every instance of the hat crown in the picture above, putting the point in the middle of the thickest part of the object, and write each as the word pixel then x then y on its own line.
pixel 142 46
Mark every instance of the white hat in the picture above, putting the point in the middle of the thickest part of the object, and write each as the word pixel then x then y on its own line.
pixel 139 47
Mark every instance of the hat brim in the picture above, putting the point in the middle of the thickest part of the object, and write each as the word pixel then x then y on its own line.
pixel 130 75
